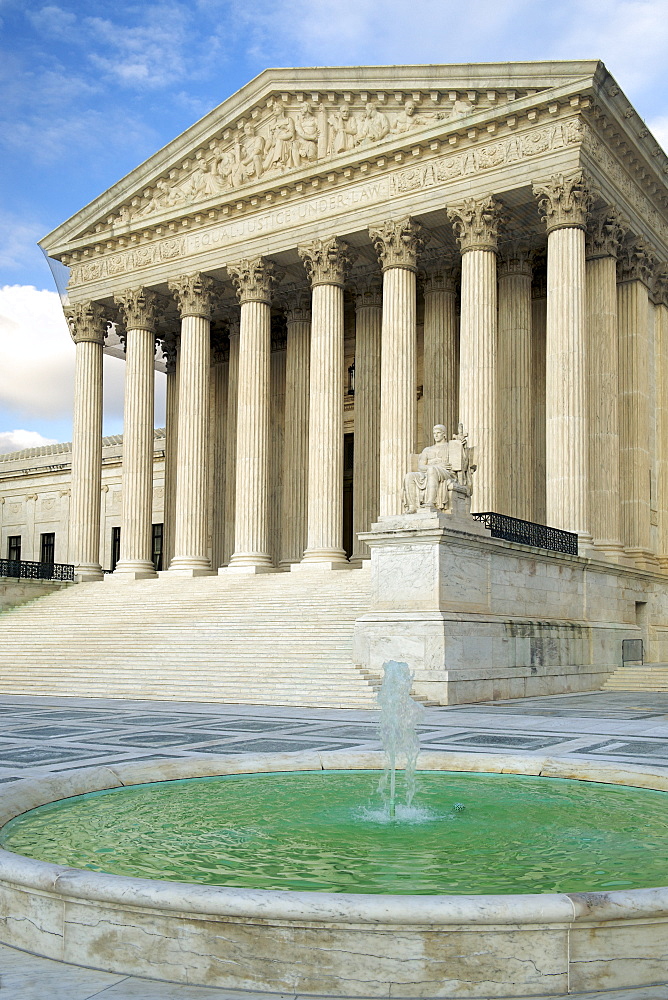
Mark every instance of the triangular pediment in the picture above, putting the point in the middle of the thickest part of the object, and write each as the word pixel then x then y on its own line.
pixel 286 123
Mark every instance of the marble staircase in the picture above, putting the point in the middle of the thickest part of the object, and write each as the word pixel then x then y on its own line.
pixel 273 639
pixel 648 677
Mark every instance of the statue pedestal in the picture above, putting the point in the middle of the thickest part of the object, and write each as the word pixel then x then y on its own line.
pixel 478 618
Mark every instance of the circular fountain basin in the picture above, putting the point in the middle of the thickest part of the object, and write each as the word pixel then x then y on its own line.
pixel 341 943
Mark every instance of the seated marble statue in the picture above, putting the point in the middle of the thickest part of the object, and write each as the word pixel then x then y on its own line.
pixel 431 484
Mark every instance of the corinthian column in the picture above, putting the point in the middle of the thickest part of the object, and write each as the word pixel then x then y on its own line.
pixel 602 244
pixel 634 274
pixel 193 294
pixel 87 326
pixel 253 280
pixel 295 455
pixel 440 398
pixel 514 415
pixel 563 203
pixel 326 262
pixel 397 243
pixel 138 308
pixel 368 337
pixel 476 225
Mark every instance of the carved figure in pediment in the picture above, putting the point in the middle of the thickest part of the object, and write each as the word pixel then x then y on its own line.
pixel 462 106
pixel 282 137
pixel 373 126
pixel 204 182
pixel 253 151
pixel 342 131
pixel 306 146
pixel 407 119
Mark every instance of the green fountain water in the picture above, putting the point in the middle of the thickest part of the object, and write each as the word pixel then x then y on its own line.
pixel 329 831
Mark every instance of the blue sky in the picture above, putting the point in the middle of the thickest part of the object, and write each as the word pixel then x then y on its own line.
pixel 90 89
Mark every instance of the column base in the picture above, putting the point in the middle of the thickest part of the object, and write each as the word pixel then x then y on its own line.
pixel 642 558
pixel 134 569
pixel 251 570
pixel 610 552
pixel 322 565
pixel 358 562
pixel 190 566
pixel 88 572
pixel 249 562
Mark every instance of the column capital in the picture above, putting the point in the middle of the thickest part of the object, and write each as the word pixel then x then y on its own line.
pixel 563 201
pixel 138 308
pixel 298 307
pixel 604 234
pixel 194 293
pixel 476 223
pixel 169 351
pixel 659 290
pixel 87 322
pixel 516 258
pixel 438 276
pixel 368 291
pixel 220 347
pixel 398 243
pixel 254 279
pixel 327 261
pixel 636 261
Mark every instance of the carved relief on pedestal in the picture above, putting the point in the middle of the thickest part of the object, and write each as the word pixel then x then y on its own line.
pixel 194 293
pixel 636 261
pixel 563 201
pixel 605 232
pixel 254 279
pixel 138 307
pixel 327 261
pixel 476 223
pixel 87 322
pixel 398 243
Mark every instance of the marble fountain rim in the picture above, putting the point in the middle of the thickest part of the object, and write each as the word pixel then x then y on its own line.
pixel 361 908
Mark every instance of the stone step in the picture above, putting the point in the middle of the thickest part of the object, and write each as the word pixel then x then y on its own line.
pixel 277 640
pixel 649 677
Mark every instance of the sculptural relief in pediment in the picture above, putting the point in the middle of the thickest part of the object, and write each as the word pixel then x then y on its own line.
pixel 289 138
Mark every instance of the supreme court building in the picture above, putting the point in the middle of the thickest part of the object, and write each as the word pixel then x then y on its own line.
pixel 333 261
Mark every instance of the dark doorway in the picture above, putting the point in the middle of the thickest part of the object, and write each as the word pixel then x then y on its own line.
pixel 348 457
pixel 115 547
pixel 156 547
pixel 47 547
pixel 14 548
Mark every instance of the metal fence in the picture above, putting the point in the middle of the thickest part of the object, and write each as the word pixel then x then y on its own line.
pixel 22 569
pixel 513 529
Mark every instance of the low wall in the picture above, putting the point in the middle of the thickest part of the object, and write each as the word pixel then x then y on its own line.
pixel 332 944
pixel 14 591
pixel 478 618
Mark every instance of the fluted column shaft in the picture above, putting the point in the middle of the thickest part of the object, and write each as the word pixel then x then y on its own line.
pixel 661 341
pixel 440 398
pixel 137 476
pixel 515 485
pixel 219 408
pixel 251 533
pixel 366 459
pixel 634 426
pixel 324 541
pixel 295 461
pixel 565 394
pixel 277 376
pixel 171 452
pixel 397 244
pixel 231 441
pixel 603 415
pixel 194 295
pixel 538 327
pixel 477 370
pixel 87 327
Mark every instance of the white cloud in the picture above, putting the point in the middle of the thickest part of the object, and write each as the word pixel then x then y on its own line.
pixel 37 371
pixel 19 439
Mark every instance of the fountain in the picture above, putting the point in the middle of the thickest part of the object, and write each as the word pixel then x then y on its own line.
pixel 442 894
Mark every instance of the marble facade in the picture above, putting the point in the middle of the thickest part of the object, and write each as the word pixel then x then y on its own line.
pixel 486 244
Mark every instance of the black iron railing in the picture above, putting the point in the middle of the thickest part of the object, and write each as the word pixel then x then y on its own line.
pixel 25 570
pixel 513 529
